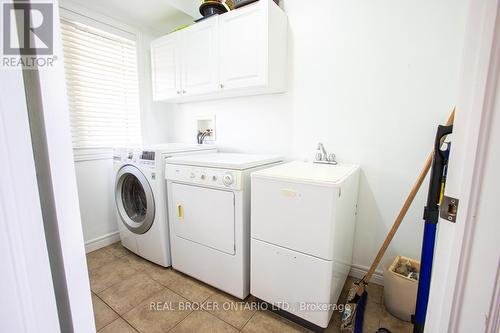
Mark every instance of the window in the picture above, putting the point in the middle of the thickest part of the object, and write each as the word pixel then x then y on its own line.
pixel 102 86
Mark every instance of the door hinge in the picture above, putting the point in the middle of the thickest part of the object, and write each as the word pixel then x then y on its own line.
pixel 449 208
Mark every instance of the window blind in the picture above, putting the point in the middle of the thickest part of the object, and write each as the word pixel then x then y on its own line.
pixel 102 86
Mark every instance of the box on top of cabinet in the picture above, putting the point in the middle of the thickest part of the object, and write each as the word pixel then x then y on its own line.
pixel 242 52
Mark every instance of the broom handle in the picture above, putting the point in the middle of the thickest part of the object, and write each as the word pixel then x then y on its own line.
pixel 404 209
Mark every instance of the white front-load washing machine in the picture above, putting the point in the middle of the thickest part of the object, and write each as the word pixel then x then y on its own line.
pixel 209 209
pixel 140 197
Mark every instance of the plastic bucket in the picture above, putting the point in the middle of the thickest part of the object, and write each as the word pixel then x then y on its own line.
pixel 400 292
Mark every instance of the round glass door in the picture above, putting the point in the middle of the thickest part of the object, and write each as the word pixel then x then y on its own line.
pixel 134 199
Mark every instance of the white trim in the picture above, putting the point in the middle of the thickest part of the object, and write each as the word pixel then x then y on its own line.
pixel 359 271
pixel 478 173
pixel 493 323
pixel 28 299
pixel 102 241
pixel 50 127
pixel 450 245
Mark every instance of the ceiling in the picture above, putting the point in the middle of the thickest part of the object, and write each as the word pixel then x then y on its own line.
pixel 157 16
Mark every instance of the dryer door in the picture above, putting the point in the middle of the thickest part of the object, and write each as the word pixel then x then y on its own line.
pixel 204 216
pixel 134 199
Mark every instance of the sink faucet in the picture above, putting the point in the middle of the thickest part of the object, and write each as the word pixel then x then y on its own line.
pixel 323 157
pixel 322 152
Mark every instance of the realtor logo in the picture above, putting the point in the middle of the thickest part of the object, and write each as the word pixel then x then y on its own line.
pixel 28 34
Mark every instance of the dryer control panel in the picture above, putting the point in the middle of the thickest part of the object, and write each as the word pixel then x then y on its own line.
pixel 213 177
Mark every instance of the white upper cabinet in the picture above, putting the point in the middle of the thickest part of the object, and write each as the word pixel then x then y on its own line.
pixel 243 48
pixel 242 52
pixel 164 64
pixel 199 58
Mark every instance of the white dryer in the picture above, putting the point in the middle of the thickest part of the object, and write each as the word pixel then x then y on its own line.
pixel 140 197
pixel 209 210
pixel 303 218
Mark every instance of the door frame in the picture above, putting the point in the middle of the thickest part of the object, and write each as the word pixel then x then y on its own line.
pixel 28 297
pixel 485 130
pixel 45 237
pixel 475 107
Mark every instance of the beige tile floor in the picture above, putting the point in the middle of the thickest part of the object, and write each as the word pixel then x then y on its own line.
pixel 132 295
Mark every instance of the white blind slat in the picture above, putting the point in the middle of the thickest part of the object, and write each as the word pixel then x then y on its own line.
pixel 102 85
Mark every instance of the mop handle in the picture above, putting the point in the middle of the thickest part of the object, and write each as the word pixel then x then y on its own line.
pixel 402 212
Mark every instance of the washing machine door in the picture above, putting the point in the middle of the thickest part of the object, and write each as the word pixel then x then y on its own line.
pixel 134 199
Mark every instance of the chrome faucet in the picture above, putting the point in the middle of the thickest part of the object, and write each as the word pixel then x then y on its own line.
pixel 323 157
pixel 202 135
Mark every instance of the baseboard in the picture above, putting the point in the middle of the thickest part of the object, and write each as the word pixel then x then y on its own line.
pixel 100 242
pixel 359 271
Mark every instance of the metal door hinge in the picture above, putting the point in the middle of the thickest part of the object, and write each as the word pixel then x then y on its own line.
pixel 449 208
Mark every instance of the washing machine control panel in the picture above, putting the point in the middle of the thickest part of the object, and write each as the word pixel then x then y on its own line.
pixel 213 177
pixel 135 156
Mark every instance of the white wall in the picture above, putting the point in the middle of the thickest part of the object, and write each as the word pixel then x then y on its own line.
pixel 154 119
pixel 371 80
pixel 95 180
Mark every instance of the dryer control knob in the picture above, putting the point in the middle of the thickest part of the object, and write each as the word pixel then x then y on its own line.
pixel 228 179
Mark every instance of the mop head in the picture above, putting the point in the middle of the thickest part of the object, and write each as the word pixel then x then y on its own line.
pixel 354 310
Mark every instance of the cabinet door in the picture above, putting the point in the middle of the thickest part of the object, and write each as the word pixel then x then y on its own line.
pixel 165 67
pixel 243 47
pixel 199 58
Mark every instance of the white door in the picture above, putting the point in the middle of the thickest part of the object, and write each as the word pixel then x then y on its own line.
pixel 165 67
pixel 44 282
pixel 200 58
pixel 243 48
pixel 28 296
pixel 204 216
pixel 466 270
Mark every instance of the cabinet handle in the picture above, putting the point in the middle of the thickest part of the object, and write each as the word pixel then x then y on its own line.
pixel 178 92
pixel 184 91
pixel 180 212
pixel 221 86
